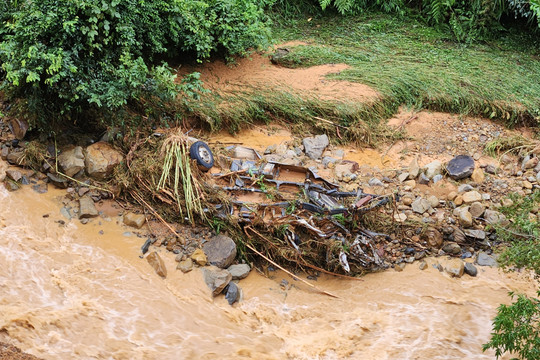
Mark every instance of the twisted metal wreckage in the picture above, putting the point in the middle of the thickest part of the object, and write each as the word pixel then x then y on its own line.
pixel 310 207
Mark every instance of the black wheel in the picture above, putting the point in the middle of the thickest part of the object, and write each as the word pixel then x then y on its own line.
pixel 201 152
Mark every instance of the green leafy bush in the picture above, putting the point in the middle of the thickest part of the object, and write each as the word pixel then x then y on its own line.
pixel 516 329
pixel 80 59
pixel 466 19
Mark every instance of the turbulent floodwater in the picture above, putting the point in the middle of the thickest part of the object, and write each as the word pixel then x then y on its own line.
pixel 69 292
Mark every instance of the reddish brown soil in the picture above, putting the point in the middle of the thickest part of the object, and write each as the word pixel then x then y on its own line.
pixel 9 352
pixel 257 72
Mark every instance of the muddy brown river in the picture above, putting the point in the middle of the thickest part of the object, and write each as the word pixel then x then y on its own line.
pixel 69 292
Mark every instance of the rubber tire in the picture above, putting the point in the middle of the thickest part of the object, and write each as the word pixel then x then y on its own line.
pixel 194 154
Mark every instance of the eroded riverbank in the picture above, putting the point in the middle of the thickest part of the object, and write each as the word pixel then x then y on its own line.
pixel 73 292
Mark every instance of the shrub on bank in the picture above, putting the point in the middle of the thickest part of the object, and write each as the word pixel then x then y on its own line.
pixel 76 59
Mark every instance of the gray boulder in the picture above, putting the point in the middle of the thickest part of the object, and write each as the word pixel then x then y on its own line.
pixel 220 251
pixel 240 271
pixel 71 161
pixel 216 279
pixel 484 259
pixel 460 167
pixel 470 269
pixel 314 146
pixel 87 209
pixel 232 293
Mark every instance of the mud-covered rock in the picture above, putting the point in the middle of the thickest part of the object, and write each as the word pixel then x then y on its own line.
pixel 14 174
pixel 455 267
pixel 134 220
pixel 185 265
pixel 101 159
pixel 216 279
pixel 239 271
pixel 220 251
pixel 87 209
pixel 157 263
pixel 3 168
pixel 199 257
pixel 71 160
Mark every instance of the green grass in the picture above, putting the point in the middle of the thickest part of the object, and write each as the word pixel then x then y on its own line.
pixel 412 64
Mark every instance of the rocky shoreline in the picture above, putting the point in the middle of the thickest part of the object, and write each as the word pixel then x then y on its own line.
pixel 453 201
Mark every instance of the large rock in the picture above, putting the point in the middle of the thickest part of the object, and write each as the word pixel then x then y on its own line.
pixel 460 167
pixel 199 257
pixel 157 263
pixel 71 161
pixel 433 238
pixel 471 196
pixel 455 267
pixel 3 168
pixel 101 159
pixel 239 271
pixel 432 169
pixel 216 279
pixel 87 209
pixel 220 251
pixel 493 217
pixel 134 220
pixel 477 209
pixel 314 146
pixel 470 269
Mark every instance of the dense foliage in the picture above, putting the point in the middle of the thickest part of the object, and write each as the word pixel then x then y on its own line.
pixel 516 329
pixel 71 58
pixel 467 19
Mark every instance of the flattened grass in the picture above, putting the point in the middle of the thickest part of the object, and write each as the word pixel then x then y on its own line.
pixel 413 64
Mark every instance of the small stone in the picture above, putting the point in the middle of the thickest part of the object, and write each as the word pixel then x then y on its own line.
pixel 58 181
pixel 134 220
pixel 452 248
pixel 506 202
pixel 470 269
pixel 407 200
pixel 216 279
pixel 232 293
pixel 314 146
pixel 239 271
pixel 452 195
pixel 157 263
pixel 403 176
pixel 433 201
pixel 465 218
pixel 3 169
pixel 410 183
pixel 437 178
pixel 12 185
pixel 400 217
pixel 477 209
pixel 530 163
pixel 458 200
pixel 432 169
pixel 423 179
pixel 375 182
pixel 455 267
pixel 423 265
pixel 478 176
pixel 421 205
pixel 484 259
pixel 87 209
pixel 526 185
pixel 490 169
pixel 199 257
pixel 399 267
pixel 433 238
pixel 471 196
pixel 475 234
pixel 464 188
pixel 460 167
pixel 14 175
pixel 185 265
pixel 414 169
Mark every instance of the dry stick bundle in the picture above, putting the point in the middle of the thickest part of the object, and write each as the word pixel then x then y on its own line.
pixel 176 154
